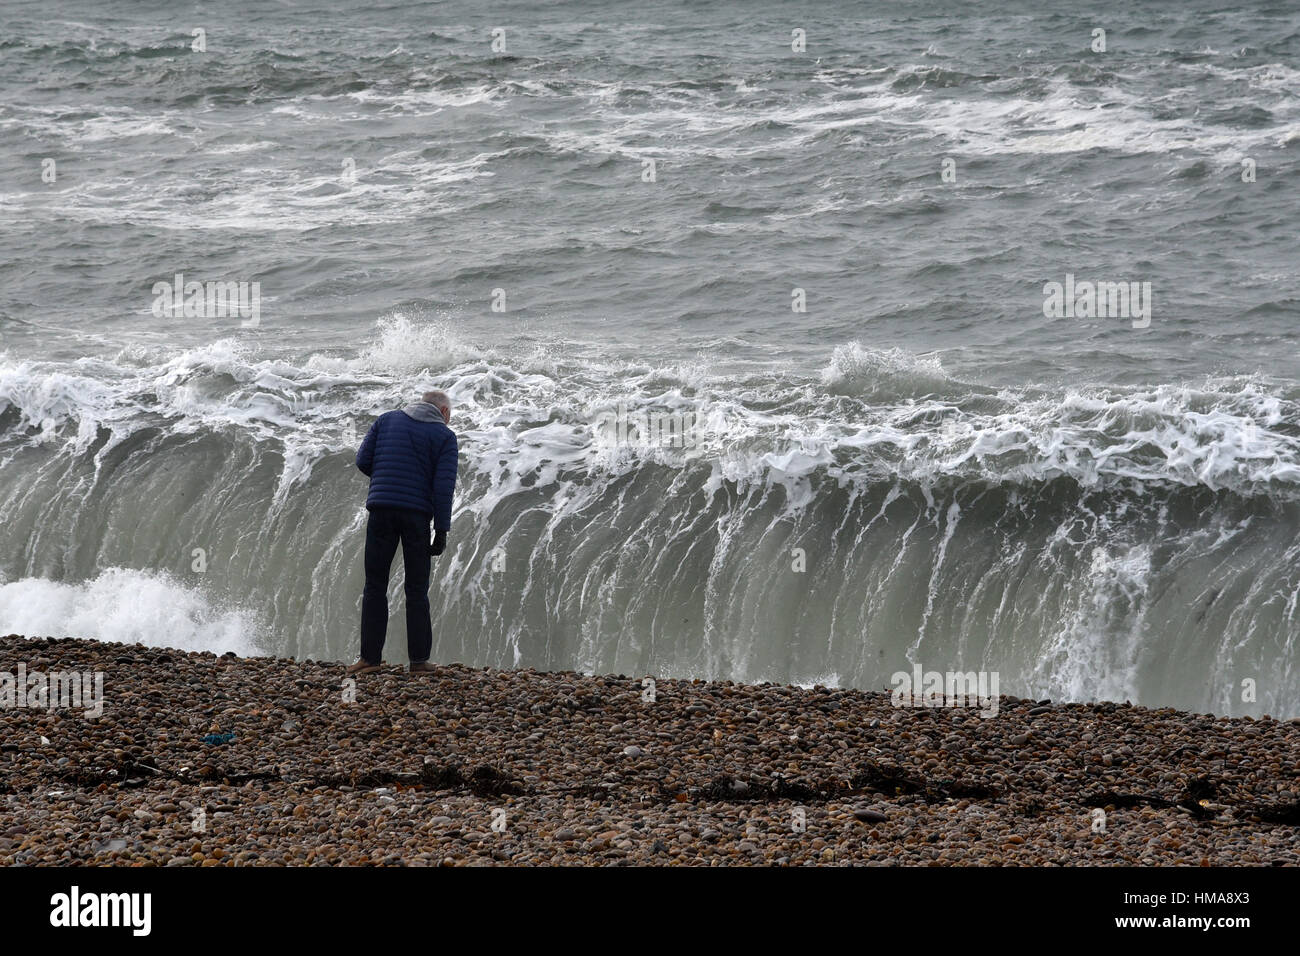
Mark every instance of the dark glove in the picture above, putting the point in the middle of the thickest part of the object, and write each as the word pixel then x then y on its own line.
pixel 439 544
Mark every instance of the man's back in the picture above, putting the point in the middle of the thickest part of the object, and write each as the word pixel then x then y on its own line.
pixel 411 457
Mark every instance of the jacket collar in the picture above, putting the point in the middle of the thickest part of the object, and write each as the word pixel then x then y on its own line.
pixel 424 412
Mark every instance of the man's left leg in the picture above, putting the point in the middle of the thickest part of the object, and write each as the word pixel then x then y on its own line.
pixel 415 559
pixel 382 536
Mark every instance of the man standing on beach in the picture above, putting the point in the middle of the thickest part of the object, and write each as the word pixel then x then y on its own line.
pixel 410 457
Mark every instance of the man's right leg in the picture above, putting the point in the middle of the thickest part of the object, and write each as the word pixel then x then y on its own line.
pixel 415 559
pixel 382 535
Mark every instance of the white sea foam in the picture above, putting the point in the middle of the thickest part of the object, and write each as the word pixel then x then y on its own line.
pixel 1096 653
pixel 127 607
pixel 872 414
pixel 262 197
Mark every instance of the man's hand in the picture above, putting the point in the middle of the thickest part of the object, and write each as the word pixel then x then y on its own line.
pixel 439 544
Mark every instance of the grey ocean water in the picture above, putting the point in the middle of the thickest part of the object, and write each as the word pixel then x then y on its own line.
pixel 920 468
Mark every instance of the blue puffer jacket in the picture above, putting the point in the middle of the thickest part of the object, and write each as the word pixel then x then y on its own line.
pixel 411 458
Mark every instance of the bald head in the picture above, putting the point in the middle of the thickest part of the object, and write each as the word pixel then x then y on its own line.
pixel 439 400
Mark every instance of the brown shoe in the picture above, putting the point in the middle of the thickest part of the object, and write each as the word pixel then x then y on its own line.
pixel 423 667
pixel 362 667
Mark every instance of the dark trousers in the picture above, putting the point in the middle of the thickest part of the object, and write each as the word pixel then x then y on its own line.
pixel 384 529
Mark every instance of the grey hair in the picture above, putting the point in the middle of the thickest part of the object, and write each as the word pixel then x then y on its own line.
pixel 438 399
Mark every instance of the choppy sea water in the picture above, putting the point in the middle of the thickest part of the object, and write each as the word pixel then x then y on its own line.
pixel 828 262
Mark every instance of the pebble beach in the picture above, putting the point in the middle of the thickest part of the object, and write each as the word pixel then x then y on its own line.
pixel 200 760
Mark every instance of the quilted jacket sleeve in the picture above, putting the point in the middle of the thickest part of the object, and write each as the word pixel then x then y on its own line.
pixel 444 483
